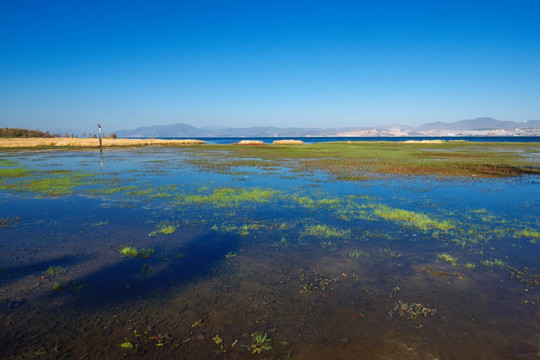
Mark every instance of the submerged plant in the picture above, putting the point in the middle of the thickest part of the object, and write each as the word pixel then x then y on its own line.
pixel 325 231
pixel 146 253
pixel 357 254
pixel 312 281
pixel 133 252
pixel 8 222
pixel 530 233
pixel 228 196
pixel 390 253
pixel 447 258
pixel 418 220
pixel 260 343
pixel 129 251
pixel 469 266
pixel 57 287
pixel 218 340
pixel 412 310
pixel 55 270
pixel 164 228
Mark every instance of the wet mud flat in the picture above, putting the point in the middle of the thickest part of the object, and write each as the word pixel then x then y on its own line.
pixel 160 252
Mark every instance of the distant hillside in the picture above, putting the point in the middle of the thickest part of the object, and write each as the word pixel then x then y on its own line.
pixel 185 130
pixel 159 131
pixel 484 123
pixel 432 129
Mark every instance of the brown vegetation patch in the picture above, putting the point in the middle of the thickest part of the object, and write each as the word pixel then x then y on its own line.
pixel 287 142
pixel 424 141
pixel 249 142
pixel 92 142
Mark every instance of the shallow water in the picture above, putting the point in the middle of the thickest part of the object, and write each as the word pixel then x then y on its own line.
pixel 322 267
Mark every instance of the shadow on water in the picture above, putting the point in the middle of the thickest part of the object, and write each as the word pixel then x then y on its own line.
pixel 14 273
pixel 132 278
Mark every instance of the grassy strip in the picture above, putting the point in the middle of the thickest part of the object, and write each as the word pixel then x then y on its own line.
pixel 227 196
pixel 355 161
pixel 418 220
pixel 89 142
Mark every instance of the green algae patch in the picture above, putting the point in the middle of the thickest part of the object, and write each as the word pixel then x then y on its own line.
pixel 63 184
pixel 51 184
pixel 411 218
pixel 10 169
pixel 229 196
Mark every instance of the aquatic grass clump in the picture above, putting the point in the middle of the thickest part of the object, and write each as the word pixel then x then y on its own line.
pixel 15 172
pixel 357 254
pixel 304 201
pixel 389 252
pixel 447 258
pixel 325 231
pixel 469 266
pixel 55 270
pixel 228 196
pixel 57 287
pixel 418 220
pixel 56 183
pixel 241 230
pixel 260 343
pixel 529 233
pixel 12 169
pixel 495 262
pixel 146 253
pixel 412 310
pixel 132 252
pixel 8 222
pixel 164 228
pixel 129 251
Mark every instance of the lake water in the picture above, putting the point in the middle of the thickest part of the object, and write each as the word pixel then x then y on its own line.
pixel 262 262
pixel 326 139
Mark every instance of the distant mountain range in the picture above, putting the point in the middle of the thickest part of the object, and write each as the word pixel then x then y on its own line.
pixel 481 126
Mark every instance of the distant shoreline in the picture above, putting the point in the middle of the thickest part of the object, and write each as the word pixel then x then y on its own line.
pixel 92 142
pixel 13 143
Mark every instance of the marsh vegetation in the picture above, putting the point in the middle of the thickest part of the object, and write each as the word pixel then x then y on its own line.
pixel 275 251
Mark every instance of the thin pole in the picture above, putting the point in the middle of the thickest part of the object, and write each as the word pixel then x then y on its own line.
pixel 99 132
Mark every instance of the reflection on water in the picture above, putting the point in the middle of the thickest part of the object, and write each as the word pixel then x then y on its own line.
pixel 261 263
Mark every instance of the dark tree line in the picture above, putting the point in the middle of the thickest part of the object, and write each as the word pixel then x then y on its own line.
pixel 24 133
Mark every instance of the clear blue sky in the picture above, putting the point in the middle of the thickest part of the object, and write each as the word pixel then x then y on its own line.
pixel 66 65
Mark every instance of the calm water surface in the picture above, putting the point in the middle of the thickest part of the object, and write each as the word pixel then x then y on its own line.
pixel 262 262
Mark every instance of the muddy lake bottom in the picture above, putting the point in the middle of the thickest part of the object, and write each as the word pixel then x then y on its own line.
pixel 261 262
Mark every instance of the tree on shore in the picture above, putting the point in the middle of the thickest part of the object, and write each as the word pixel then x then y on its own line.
pixel 24 133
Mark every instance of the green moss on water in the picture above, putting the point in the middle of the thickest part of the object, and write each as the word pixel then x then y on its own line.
pixel 50 184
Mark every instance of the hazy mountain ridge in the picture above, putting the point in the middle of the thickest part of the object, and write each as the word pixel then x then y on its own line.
pixel 481 126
